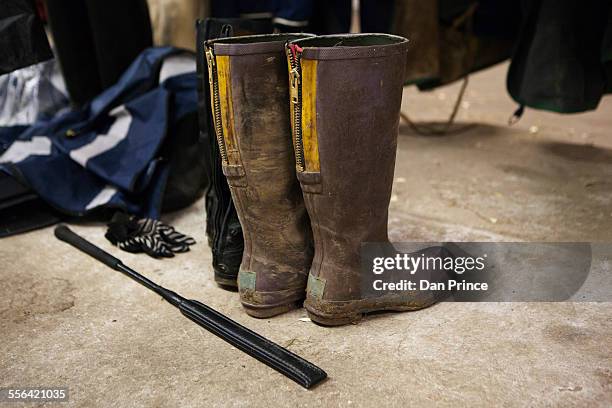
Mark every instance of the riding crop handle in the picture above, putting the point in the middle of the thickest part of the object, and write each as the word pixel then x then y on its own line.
pixel 67 235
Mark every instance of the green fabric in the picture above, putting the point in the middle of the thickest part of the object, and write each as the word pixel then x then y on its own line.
pixel 315 287
pixel 246 280
pixel 560 61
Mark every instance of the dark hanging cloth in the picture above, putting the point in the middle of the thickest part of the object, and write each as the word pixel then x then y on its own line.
pixel 314 16
pixel 96 41
pixel 563 61
pixel 450 39
pixel 22 37
pixel 377 15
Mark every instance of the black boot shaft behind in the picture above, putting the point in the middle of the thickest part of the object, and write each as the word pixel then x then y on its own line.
pixel 223 228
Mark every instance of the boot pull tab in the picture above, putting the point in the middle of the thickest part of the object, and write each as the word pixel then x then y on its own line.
pixel 294 73
pixel 227 31
pixel 295 49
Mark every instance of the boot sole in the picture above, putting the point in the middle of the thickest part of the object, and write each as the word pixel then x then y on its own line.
pixel 353 317
pixel 263 312
pixel 227 284
pixel 225 281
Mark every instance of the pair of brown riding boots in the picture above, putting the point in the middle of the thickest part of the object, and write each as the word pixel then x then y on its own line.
pixel 307 130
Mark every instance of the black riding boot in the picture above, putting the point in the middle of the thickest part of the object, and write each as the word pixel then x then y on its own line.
pixel 222 226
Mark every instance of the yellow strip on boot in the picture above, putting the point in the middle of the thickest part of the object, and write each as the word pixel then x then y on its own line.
pixel 309 115
pixel 225 100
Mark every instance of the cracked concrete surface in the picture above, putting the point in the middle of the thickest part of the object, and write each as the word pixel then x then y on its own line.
pixel 67 320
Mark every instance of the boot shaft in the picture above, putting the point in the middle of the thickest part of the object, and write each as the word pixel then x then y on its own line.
pixel 346 96
pixel 249 88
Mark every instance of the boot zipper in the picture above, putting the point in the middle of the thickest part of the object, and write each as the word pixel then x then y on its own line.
pixel 216 108
pixel 294 54
pixel 214 86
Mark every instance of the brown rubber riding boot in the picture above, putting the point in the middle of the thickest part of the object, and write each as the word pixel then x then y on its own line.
pixel 346 93
pixel 250 98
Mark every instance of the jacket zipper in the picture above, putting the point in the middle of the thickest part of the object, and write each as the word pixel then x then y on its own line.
pixel 214 85
pixel 294 54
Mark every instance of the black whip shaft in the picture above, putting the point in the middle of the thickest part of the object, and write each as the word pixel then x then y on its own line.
pixel 282 360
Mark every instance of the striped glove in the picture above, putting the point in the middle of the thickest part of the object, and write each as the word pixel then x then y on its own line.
pixel 146 235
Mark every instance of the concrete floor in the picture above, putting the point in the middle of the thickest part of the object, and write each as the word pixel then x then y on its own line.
pixel 66 320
